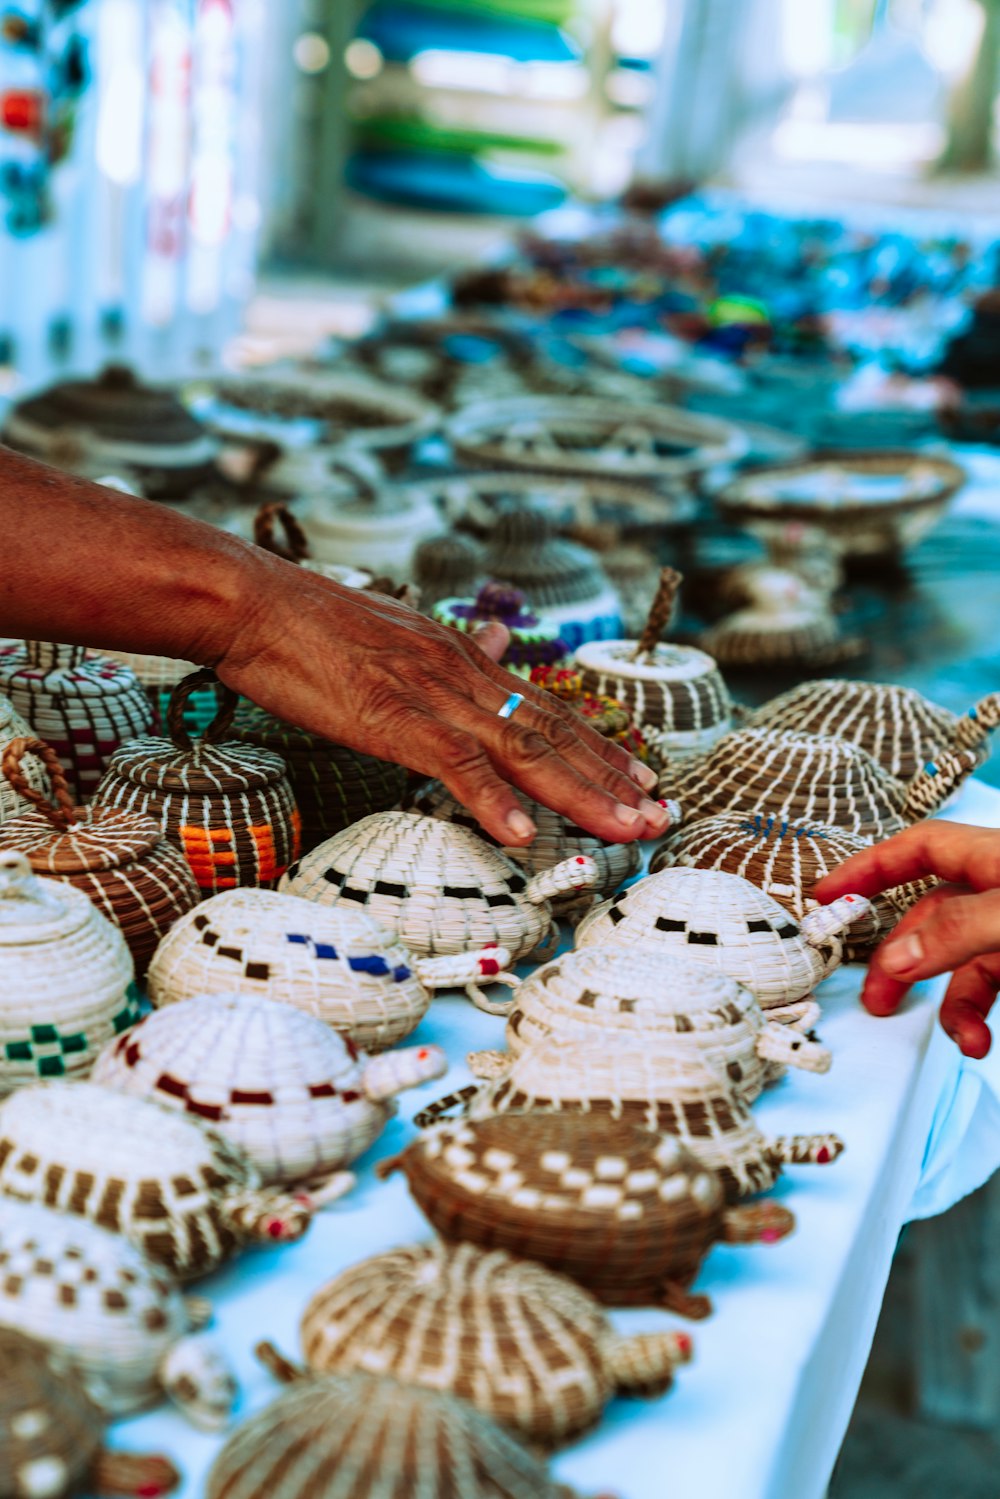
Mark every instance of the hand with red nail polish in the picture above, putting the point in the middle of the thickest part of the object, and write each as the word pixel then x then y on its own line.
pixel 955 928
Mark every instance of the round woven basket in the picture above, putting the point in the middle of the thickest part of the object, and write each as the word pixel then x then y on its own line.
pixel 333 786
pixel 798 633
pixel 159 675
pixel 447 566
pixel 65 978
pixel 526 1346
pixel 121 860
pixel 384 1439
pixel 50 1432
pixel 898 726
pixel 84 708
pixel 534 641
pixel 12 803
pixel 290 1094
pixel 227 806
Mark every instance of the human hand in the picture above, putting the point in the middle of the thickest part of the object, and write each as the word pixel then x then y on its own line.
pixel 956 927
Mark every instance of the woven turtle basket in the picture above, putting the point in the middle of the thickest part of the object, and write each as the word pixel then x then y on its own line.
pixel 86 708
pixel 121 860
pixel 12 802
pixel 227 806
pixel 365 1436
pixel 333 785
pixel 65 978
pixel 526 1346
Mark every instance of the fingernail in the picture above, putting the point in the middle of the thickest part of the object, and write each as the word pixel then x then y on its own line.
pixel 656 814
pixel 520 824
pixel 642 775
pixel 901 956
pixel 628 817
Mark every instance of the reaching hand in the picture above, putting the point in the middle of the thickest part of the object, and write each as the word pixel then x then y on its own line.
pixel 954 928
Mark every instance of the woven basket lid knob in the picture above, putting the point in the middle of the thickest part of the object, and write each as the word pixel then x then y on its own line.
pixel 23 897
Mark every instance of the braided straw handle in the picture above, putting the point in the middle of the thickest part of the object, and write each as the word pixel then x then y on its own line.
pixel 61 812
pixel 295 547
pixel 221 723
pixel 659 614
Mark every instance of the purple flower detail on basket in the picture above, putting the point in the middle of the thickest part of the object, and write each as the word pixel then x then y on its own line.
pixel 373 964
pixel 400 974
pixel 499 601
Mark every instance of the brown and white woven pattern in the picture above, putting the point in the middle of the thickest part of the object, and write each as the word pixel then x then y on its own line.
pixel 228 807
pixel 522 1344
pixel 50 1433
pixel 437 886
pixel 159 675
pixel 724 921
pixel 614 996
pixel 85 708
pixel 898 726
pixel 176 1190
pixel 13 726
pixel 65 978
pixel 364 1436
pixel 797 635
pixel 290 1094
pixel 676 694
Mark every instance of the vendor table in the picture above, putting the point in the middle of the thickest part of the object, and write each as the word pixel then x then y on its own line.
pixel 762 1410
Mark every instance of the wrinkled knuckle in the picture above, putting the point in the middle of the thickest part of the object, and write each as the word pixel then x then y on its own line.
pixel 459 754
pixel 525 747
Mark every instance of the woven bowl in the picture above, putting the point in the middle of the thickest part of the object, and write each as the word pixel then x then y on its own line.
pixel 13 803
pixel 288 1093
pixel 526 1346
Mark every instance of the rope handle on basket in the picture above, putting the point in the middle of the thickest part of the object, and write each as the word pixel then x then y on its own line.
pixel 221 723
pixel 659 614
pixel 61 811
pixel 275 512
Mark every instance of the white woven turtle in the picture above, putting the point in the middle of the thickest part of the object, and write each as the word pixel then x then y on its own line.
pixel 437 886
pixel 293 1096
pixel 724 921
pixel 336 963
pixel 621 996
pixel 175 1189
pixel 121 1323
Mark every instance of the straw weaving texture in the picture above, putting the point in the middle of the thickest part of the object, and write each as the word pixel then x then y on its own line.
pixel 768 637
pixel 49 1431
pixel 13 726
pixel 553 572
pixel 675 693
pixel 159 675
pixel 437 886
pixel 361 1436
pixel 84 708
pixel 534 641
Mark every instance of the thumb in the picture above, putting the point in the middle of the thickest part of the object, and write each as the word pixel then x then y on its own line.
pixel 492 638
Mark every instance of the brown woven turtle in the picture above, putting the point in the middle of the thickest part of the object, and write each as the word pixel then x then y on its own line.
pixel 627 1212
pixel 524 1345
pixel 50 1434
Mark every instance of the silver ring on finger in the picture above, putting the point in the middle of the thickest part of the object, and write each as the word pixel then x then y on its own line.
pixel 511 706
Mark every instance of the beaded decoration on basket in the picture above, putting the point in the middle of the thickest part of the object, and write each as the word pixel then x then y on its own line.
pixel 122 1326
pixel 625 996
pixel 85 707
pixel 675 693
pixel 365 1436
pixel 290 1094
pixel 121 860
pixel 12 803
pixel 525 1346
pixel 173 1187
pixel 725 922
pixel 227 806
pixel 534 641
pixel 627 1212
pixel 606 715
pixel 811 778
pixel 898 726
pixel 437 886
pixel 334 962
pixel 786 860
pixel 557 839
pixel 65 978
pixel 50 1434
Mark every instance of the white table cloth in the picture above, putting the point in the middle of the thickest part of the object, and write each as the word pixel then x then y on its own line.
pixel 762 1410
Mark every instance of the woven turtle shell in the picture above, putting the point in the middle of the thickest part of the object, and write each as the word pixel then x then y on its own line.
pixel 365 1436
pixel 85 707
pixel 524 1345
pixel 898 726
pixel 627 1212
pixel 333 785
pixel 121 860
pixel 227 806
pixel 165 1181
pixel 13 726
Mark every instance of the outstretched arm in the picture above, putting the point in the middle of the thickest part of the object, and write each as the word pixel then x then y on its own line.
pixel 83 564
pixel 956 928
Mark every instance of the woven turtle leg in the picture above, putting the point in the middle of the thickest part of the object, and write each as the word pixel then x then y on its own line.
pixel 676 1298
pixel 116 1474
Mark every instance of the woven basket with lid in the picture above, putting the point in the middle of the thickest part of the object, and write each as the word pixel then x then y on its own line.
pixel 334 962
pixel 898 726
pixel 290 1094
pixel 13 726
pixel 526 1346
pixel 627 1212
pixel 607 715
pixel 227 806
pixel 65 978
pixel 365 1436
pixel 159 675
pixel 86 708
pixel 173 1187
pixel 121 860
pixel 534 641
